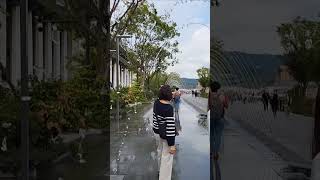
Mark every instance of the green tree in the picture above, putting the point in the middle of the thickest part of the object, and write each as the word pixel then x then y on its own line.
pixel 204 77
pixel 296 40
pixel 152 47
pixel 301 42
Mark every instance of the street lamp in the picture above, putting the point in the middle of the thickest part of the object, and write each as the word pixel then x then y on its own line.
pixel 119 37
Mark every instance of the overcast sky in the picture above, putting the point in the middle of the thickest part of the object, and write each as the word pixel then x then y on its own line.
pixel 194 39
pixel 250 25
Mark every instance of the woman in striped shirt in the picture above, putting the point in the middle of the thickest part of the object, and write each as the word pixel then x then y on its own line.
pixel 165 129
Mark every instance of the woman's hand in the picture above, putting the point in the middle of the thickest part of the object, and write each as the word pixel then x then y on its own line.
pixel 172 150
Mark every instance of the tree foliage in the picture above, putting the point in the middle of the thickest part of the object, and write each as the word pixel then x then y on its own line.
pixel 152 47
pixel 300 41
pixel 204 77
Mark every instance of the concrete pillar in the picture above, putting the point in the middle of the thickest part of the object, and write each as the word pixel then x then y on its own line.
pixel 48 51
pixel 15 49
pixel 131 80
pixel 122 84
pixel 123 77
pixel 39 68
pixel 127 78
pixel 56 55
pixel 114 74
pixel 3 34
pixel 30 44
pixel 111 71
pixel 119 75
pixel 64 55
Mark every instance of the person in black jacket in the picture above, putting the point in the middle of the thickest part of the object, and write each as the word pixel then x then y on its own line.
pixel 275 103
pixel 165 129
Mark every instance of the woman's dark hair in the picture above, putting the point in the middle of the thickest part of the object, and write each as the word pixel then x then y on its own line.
pixel 177 88
pixel 215 86
pixel 165 93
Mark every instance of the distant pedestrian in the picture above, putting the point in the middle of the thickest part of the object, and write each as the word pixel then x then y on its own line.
pixel 176 95
pixel 196 93
pixel 192 93
pixel 265 100
pixel 165 131
pixel 275 103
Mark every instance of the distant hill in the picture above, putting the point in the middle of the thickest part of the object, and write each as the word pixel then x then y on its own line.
pixel 248 70
pixel 189 83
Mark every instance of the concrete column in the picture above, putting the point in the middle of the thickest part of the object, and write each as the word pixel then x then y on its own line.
pixel 64 55
pixel 39 68
pixel 127 78
pixel 131 80
pixel 15 49
pixel 114 76
pixel 56 55
pixel 3 34
pixel 123 77
pixel 111 73
pixel 48 51
pixel 119 74
pixel 30 44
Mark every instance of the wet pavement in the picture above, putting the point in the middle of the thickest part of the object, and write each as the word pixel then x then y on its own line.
pixel 292 131
pixel 242 155
pixel 192 158
pixel 133 154
pixel 133 148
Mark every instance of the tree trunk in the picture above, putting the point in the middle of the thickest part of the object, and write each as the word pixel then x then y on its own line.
pixel 316 131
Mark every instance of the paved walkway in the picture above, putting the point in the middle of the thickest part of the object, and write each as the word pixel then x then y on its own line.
pixel 242 155
pixel 133 150
pixel 292 131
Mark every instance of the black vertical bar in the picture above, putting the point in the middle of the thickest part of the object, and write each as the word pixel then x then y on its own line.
pixel 24 92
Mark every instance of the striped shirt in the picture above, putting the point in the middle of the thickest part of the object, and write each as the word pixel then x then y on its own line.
pixel 163 113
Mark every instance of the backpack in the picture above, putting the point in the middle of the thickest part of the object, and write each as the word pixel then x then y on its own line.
pixel 217 107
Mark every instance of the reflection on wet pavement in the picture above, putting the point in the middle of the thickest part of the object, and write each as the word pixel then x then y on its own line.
pixel 192 159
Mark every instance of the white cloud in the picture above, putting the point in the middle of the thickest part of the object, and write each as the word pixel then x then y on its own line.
pixel 194 40
pixel 195 53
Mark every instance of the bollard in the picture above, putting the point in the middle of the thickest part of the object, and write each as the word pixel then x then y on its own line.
pixel 315 171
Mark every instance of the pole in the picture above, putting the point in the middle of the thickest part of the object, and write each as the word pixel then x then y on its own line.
pixel 117 85
pixel 24 92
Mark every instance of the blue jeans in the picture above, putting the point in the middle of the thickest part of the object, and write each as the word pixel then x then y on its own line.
pixel 216 130
pixel 176 105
